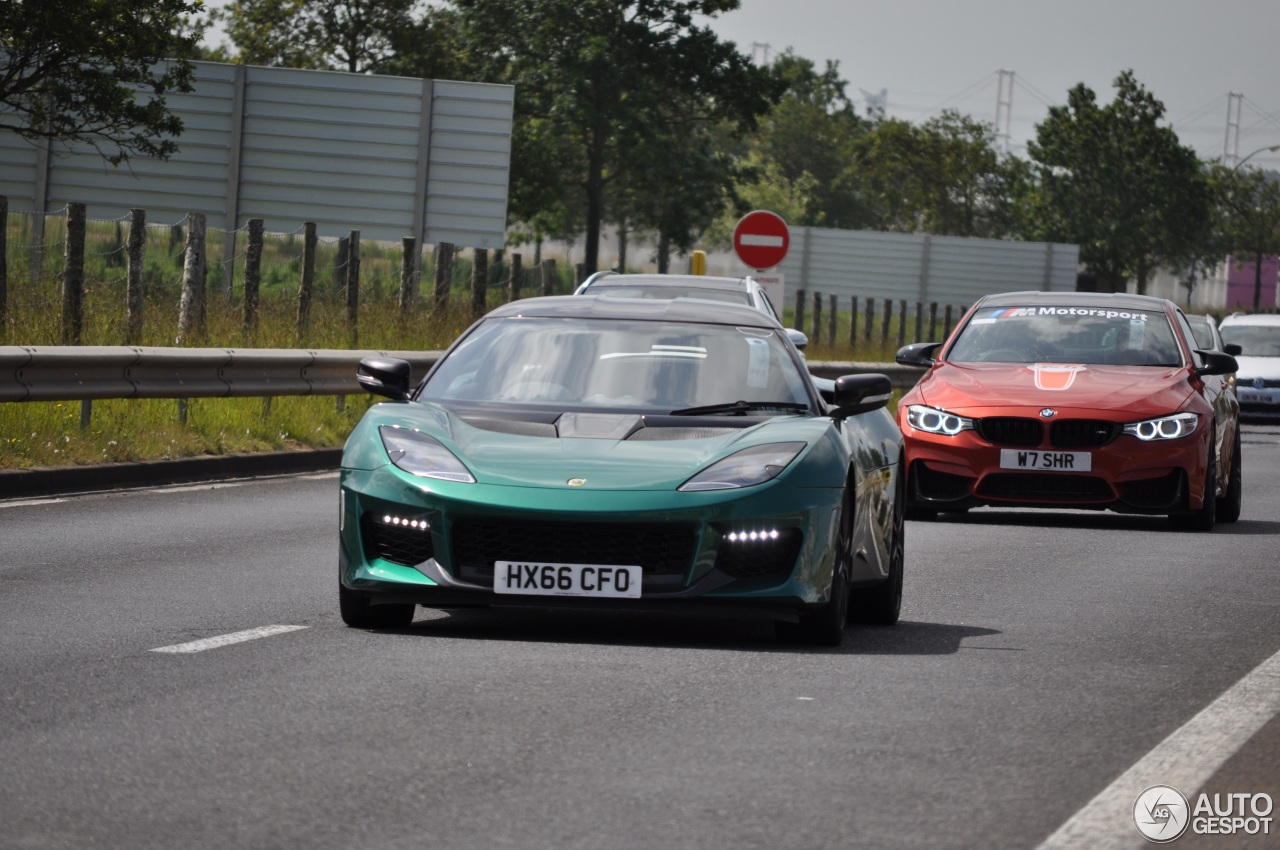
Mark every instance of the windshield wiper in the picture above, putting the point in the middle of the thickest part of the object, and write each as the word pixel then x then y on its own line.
pixel 741 408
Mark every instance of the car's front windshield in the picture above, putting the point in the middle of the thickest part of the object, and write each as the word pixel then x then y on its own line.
pixel 1089 335
pixel 1254 340
pixel 667 291
pixel 644 366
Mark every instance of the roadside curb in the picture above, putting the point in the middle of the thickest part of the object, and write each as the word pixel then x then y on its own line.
pixel 63 480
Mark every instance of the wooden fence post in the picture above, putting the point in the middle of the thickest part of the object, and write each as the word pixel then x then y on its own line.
pixel 884 323
pixel 902 323
pixel 353 288
pixel 933 320
pixel 946 327
pixel 919 335
pixel 4 261
pixel 408 280
pixel 252 276
pixel 443 277
pixel 479 282
pixel 853 321
pixel 869 320
pixel 801 297
pixel 817 317
pixel 517 275
pixel 191 312
pixel 307 285
pixel 834 304
pixel 548 277
pixel 134 291
pixel 73 276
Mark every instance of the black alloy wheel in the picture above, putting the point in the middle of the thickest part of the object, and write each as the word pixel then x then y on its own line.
pixel 882 605
pixel 823 624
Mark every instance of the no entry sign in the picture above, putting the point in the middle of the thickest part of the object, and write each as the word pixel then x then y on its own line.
pixel 761 239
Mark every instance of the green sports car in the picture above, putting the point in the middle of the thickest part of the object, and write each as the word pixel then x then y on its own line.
pixel 625 453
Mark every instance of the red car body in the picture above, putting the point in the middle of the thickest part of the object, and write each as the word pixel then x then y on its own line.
pixel 1072 400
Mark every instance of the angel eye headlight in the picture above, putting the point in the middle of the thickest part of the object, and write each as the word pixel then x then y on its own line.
pixel 746 468
pixel 933 420
pixel 1164 428
pixel 419 454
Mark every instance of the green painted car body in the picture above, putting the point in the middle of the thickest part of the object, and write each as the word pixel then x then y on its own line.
pixel 479 485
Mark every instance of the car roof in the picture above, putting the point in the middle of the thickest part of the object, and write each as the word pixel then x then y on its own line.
pixel 1267 319
pixel 740 284
pixel 607 307
pixel 1109 300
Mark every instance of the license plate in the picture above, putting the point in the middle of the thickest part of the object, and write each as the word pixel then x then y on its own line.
pixel 1256 398
pixel 1046 461
pixel 598 580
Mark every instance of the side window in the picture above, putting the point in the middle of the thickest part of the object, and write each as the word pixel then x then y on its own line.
pixel 1185 327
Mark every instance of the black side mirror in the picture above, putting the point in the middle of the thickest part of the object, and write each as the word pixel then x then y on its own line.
pixel 916 354
pixel 1233 349
pixel 384 376
pixel 856 394
pixel 1217 363
pixel 798 338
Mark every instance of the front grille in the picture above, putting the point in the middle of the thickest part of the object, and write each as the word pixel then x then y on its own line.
pixel 940 486
pixel 1253 383
pixel 1010 431
pixel 664 552
pixel 1036 487
pixel 1154 493
pixel 1083 433
pixel 760 559
pixel 397 543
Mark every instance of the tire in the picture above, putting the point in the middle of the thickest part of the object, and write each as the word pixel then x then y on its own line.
pixel 1207 516
pixel 882 605
pixel 358 612
pixel 1229 505
pixel 823 625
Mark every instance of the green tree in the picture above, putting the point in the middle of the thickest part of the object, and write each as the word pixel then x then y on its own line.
pixel 809 138
pixel 600 72
pixel 359 36
pixel 1118 183
pixel 1249 212
pixel 94 72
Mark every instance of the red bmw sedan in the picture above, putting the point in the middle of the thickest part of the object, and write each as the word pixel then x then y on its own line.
pixel 1073 400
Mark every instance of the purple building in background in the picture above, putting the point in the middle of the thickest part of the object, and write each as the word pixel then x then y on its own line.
pixel 1241 282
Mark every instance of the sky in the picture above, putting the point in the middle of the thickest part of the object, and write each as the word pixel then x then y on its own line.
pixel 930 55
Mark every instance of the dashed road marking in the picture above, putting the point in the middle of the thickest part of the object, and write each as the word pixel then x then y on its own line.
pixel 1185 760
pixel 228 639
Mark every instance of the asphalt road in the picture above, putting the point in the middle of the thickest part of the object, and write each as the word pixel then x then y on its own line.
pixel 1041 656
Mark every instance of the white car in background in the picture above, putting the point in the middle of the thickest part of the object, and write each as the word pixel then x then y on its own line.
pixel 1258 380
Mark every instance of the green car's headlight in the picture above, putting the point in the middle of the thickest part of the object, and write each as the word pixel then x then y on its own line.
pixel 1164 428
pixel 416 453
pixel 933 420
pixel 746 468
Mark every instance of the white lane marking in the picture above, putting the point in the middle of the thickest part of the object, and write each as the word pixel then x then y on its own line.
pixel 22 503
pixel 1186 760
pixel 226 640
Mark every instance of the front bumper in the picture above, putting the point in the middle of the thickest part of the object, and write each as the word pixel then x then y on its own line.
pixel 1126 474
pixel 435 543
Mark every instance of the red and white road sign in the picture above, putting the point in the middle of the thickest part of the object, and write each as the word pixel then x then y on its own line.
pixel 761 239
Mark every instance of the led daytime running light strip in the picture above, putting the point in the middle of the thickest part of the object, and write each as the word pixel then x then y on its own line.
pixel 752 536
pixel 420 524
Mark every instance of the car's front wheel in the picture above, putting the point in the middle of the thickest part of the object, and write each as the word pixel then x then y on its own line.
pixel 1206 516
pixel 823 625
pixel 882 605
pixel 359 612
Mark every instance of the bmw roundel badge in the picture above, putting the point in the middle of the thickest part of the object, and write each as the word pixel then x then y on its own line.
pixel 1048 413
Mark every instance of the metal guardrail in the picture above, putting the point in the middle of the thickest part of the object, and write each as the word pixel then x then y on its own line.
pixel 81 373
